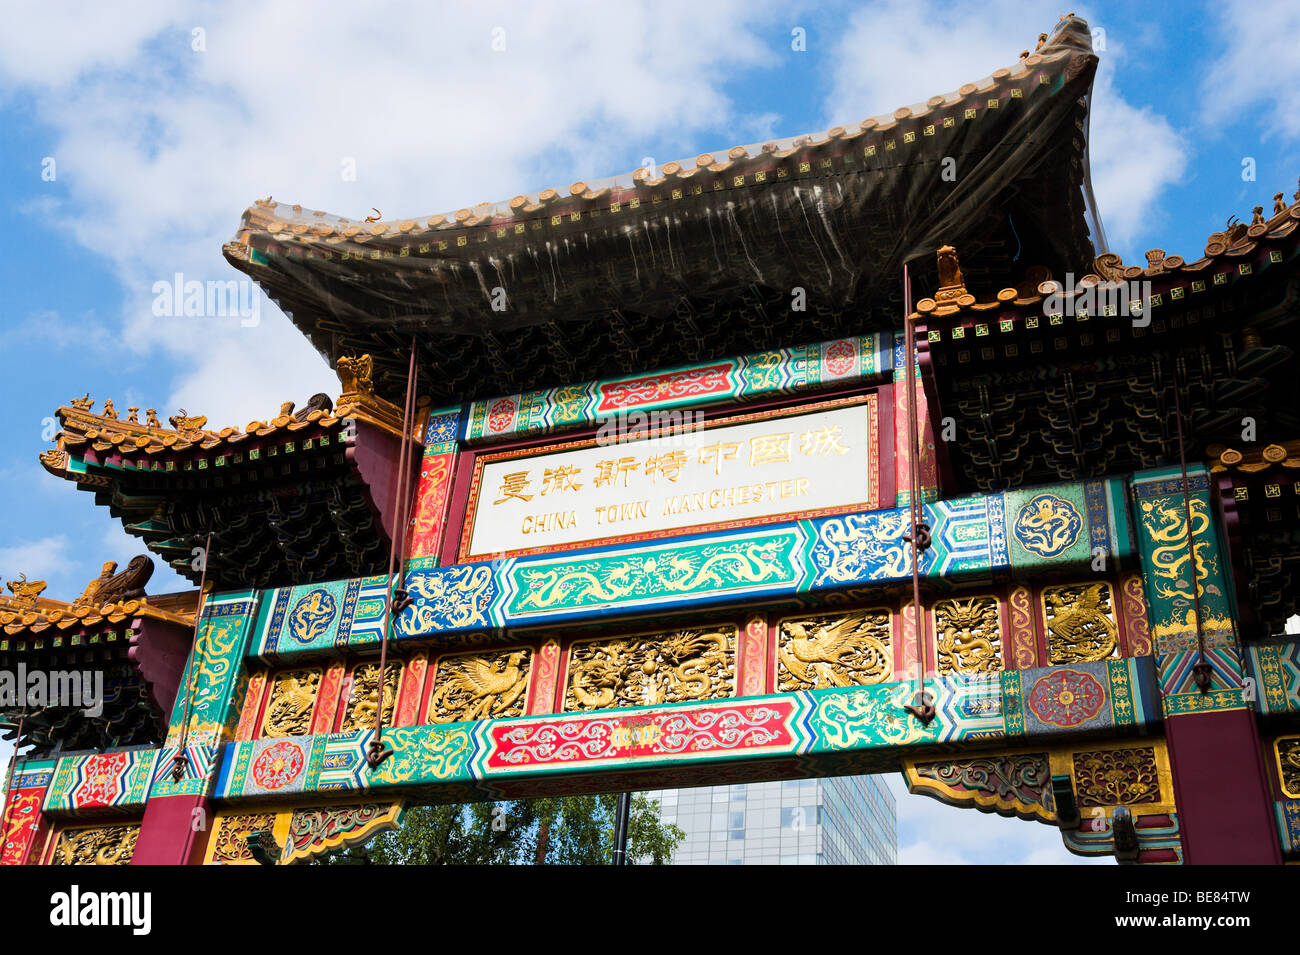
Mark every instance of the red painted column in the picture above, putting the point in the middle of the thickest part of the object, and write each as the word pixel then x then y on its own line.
pixel 171 822
pixel 1221 789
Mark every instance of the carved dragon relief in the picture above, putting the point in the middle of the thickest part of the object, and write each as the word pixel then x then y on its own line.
pixel 651 669
pixel 363 701
pixel 100 845
pixel 969 635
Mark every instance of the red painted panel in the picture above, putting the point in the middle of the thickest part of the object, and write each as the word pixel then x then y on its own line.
pixel 1221 791
pixel 167 835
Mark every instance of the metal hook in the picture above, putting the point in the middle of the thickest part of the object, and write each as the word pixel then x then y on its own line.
pixel 921 707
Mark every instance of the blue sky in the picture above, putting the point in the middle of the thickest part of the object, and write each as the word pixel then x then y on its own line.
pixel 164 120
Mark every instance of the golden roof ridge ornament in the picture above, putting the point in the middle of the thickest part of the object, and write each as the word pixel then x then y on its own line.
pixel 26 593
pixel 359 400
pixel 952 286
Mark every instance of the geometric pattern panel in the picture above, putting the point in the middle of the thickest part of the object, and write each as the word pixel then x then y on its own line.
pixel 778 561
pixel 1274 678
pixel 1106 694
pixel 311 618
pixel 99 781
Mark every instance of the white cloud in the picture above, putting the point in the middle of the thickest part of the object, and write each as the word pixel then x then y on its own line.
pixel 1129 181
pixel 932 833
pixel 891 55
pixel 1257 69
pixel 160 147
pixel 40 559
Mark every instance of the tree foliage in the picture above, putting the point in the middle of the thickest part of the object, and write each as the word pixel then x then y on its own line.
pixel 574 830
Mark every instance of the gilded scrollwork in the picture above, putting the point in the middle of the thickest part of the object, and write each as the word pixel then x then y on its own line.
pixel 1012 784
pixel 288 711
pixel 850 649
pixel 1121 777
pixel 969 634
pixel 479 686
pixel 230 841
pixel 650 669
pixel 316 831
pixel 1288 762
pixel 363 700
pixel 1081 624
pixel 862 547
pixel 96 845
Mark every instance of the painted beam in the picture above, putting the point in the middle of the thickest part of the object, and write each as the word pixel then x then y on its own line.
pixel 809 733
pixel 1022 533
pixel 863 358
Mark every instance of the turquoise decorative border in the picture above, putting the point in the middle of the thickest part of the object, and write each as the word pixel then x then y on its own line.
pixel 473 760
pixel 776 562
pixel 863 358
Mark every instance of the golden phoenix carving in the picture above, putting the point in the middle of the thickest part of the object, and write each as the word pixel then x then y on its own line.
pixel 852 649
pixel 288 711
pixel 479 686
pixel 1080 622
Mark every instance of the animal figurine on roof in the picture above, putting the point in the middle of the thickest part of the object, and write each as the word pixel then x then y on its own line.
pixel 111 587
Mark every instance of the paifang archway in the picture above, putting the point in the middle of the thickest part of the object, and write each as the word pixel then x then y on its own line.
pixel 659 527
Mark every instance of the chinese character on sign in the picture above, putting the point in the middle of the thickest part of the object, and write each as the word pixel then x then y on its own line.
pixel 607 472
pixel 514 485
pixel 715 454
pixel 669 464
pixel 561 478
pixel 822 442
pixel 769 449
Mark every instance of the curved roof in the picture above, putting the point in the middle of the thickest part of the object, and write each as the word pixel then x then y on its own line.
pixel 698 259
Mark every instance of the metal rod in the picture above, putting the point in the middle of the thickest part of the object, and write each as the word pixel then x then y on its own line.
pixel 621 818
pixel 920 539
pixel 1201 669
pixel 178 761
pixel 396 595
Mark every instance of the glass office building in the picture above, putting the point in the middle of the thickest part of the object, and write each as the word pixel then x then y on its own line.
pixel 846 820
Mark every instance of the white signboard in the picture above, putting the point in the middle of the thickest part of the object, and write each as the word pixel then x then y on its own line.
pixel 726 474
